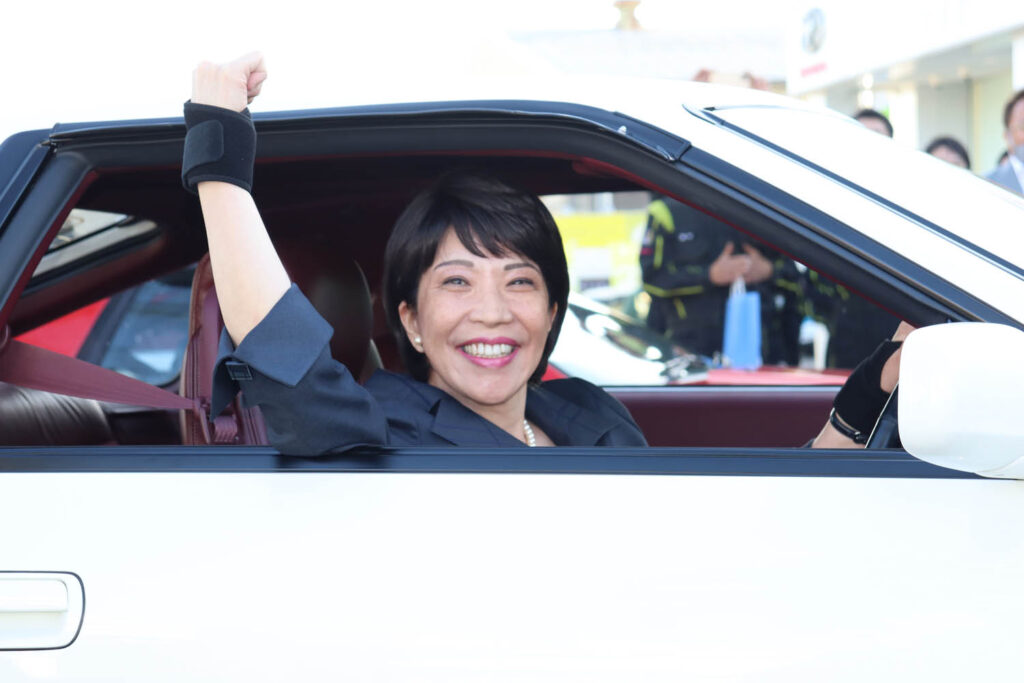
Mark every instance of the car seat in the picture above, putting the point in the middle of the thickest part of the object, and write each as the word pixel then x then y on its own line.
pixel 338 291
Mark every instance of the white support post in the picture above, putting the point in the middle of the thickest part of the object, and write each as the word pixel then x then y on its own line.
pixel 1017 62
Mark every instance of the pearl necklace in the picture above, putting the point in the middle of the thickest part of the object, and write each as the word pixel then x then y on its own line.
pixel 531 438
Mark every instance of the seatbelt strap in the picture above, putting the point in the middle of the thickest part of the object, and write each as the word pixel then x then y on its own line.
pixel 31 367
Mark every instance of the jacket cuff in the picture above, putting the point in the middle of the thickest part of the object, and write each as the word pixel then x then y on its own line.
pixel 282 347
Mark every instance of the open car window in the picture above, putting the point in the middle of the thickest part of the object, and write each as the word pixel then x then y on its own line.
pixel 608 337
pixel 811 330
pixel 319 210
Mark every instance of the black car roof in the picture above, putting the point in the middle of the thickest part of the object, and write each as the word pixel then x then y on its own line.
pixel 665 145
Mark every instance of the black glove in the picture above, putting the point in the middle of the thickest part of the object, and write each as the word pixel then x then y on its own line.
pixel 861 400
pixel 220 145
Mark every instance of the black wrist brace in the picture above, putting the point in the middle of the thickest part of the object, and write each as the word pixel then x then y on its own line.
pixel 861 400
pixel 220 145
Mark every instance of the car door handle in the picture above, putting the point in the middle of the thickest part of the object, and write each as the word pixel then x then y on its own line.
pixel 33 595
pixel 40 610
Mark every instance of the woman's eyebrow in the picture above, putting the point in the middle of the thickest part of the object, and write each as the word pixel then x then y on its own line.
pixel 521 264
pixel 454 262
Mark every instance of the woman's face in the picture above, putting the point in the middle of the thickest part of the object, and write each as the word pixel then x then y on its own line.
pixel 483 322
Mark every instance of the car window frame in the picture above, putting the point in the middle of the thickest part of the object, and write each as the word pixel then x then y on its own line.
pixel 715 185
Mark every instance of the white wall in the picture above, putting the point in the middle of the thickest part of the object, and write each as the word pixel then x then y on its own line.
pixel 989 98
pixel 945 109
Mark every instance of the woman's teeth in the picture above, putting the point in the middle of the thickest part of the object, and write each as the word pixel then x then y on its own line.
pixel 488 350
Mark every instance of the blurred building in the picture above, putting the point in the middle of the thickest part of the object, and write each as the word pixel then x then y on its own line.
pixel 935 68
pixel 728 53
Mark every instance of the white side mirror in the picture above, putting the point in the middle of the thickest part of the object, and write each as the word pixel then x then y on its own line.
pixel 961 397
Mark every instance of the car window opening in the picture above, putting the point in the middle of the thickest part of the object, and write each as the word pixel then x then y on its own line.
pixel 609 338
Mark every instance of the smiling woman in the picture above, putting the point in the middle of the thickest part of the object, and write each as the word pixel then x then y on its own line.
pixel 476 288
pixel 483 316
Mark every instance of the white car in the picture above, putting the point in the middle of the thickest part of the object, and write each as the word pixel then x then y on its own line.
pixel 138 542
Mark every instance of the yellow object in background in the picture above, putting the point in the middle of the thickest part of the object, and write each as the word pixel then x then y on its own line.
pixel 603 249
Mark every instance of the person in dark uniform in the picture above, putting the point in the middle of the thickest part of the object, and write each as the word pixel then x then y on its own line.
pixel 783 306
pixel 688 262
pixel 855 326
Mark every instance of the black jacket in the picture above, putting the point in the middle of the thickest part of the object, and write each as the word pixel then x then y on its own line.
pixel 311 403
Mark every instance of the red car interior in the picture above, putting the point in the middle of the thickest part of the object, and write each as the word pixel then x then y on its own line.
pixel 339 293
pixel 330 219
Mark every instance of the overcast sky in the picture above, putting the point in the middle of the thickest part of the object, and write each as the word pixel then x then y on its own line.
pixel 95 59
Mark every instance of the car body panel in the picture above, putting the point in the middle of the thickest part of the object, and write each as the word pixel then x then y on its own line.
pixel 327 575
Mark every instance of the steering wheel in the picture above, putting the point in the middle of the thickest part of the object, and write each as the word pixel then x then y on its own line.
pixel 886 433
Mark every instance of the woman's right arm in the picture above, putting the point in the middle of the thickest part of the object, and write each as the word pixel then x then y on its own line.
pixel 249 274
pixel 310 402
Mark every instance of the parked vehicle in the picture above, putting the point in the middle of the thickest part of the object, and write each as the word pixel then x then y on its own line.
pixel 141 543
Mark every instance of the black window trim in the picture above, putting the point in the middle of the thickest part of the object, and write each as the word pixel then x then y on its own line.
pixel 723 189
pixel 740 462
pixel 489 125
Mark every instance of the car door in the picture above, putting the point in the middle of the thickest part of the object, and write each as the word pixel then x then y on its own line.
pixel 234 565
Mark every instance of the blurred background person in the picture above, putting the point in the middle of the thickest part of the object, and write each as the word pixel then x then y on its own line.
pixel 950 150
pixel 854 324
pixel 875 120
pixel 688 262
pixel 1011 175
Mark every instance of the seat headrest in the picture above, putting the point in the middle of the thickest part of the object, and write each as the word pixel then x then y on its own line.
pixel 338 290
pixel 341 295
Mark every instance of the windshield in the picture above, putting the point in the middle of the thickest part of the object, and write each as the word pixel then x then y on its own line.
pixel 976 211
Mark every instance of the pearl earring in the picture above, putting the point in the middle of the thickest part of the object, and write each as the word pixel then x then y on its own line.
pixel 417 342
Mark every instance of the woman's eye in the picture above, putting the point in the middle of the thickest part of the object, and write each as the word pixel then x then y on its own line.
pixel 455 280
pixel 523 281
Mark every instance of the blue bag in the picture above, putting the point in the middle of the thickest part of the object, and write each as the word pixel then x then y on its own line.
pixel 741 343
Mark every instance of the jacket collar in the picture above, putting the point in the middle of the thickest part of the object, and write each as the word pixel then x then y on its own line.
pixel 461 426
pixel 566 421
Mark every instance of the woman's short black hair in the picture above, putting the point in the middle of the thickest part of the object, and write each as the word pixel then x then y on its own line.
pixel 952 144
pixel 489 218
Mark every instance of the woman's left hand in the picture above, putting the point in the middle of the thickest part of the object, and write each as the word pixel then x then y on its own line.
pixel 830 437
pixel 891 369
